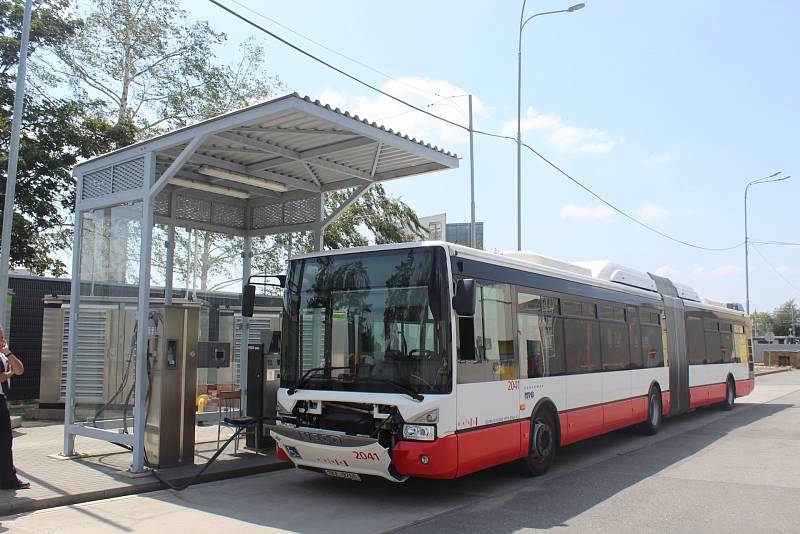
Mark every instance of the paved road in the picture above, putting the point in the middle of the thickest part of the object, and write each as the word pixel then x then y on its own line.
pixel 708 471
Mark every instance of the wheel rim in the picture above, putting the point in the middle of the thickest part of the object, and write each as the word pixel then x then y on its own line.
pixel 542 442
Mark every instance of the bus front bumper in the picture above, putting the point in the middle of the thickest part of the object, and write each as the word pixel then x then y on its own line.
pixel 332 451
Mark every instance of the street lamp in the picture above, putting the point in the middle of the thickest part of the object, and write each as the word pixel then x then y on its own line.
pixel 522 22
pixel 765 180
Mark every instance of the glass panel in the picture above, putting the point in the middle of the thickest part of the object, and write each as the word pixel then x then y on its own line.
pixel 740 345
pixel 652 345
pixel 579 309
pixel 635 338
pixel 369 322
pixel 726 346
pixel 541 342
pixel 696 339
pixel 105 359
pixel 713 347
pixel 614 337
pixel 582 345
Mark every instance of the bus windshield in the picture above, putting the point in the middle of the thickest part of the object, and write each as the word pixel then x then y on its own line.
pixel 368 322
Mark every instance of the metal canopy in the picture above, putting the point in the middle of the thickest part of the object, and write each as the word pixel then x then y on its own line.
pixel 259 170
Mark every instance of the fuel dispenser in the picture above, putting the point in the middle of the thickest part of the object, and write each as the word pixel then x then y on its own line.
pixel 172 371
pixel 263 379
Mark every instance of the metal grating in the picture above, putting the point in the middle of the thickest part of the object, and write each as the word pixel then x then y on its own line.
pixel 161 204
pixel 89 358
pixel 227 215
pixel 193 209
pixel 128 175
pixel 266 216
pixel 301 211
pixel 97 184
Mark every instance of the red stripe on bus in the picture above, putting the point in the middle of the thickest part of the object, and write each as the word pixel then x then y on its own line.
pixel 281 454
pixel 442 457
pixel 745 387
pixel 708 394
pixel 489 447
pixel 665 403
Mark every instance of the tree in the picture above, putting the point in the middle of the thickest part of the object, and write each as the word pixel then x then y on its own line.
pixel 56 133
pixel 784 317
pixel 156 70
pixel 762 323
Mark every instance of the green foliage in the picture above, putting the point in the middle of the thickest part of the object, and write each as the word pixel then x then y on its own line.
pixel 156 70
pixel 779 322
pixel 56 134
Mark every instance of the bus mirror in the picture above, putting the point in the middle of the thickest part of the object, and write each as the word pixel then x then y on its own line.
pixel 464 299
pixel 248 300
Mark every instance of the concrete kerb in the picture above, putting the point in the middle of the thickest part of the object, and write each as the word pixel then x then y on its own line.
pixel 32 505
pixel 774 371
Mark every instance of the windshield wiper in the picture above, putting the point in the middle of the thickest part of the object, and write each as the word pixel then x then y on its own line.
pixel 307 375
pixel 408 390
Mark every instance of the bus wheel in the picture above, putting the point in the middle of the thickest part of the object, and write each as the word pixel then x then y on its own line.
pixel 730 395
pixel 544 443
pixel 653 422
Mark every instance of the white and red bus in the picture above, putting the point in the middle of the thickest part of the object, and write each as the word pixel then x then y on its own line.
pixel 436 360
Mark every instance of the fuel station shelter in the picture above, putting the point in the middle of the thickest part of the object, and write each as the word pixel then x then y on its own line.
pixel 258 171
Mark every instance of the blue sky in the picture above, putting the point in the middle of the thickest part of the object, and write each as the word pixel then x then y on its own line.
pixel 667 109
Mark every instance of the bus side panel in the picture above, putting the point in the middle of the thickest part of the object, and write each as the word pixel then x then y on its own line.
pixel 488 447
pixel 583 423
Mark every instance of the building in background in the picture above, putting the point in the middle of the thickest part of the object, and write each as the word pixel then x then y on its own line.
pixel 459 233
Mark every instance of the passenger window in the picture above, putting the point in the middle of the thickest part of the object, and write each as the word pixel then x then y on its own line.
pixel 495 357
pixel 726 342
pixel 582 346
pixel 614 337
pixel 696 341
pixel 541 338
pixel 713 343
pixel 635 338
pixel 652 345
pixel 579 309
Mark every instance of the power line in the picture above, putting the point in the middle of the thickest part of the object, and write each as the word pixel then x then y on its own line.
pixel 781 243
pixel 776 270
pixel 452 123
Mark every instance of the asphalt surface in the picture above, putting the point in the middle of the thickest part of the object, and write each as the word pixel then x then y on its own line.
pixel 708 471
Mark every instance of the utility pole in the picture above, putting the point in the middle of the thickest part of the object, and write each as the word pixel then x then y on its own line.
pixel 11 174
pixel 472 241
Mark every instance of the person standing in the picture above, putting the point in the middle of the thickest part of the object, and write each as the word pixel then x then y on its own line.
pixel 9 366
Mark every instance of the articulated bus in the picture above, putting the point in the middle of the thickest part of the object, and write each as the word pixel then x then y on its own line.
pixel 436 360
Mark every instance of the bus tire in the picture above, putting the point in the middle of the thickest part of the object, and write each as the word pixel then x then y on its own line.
pixel 654 415
pixel 730 395
pixel 544 442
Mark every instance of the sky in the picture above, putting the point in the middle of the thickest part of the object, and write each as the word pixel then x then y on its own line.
pixel 666 109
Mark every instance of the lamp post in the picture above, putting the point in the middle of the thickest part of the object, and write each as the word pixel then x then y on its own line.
pixel 765 180
pixel 522 22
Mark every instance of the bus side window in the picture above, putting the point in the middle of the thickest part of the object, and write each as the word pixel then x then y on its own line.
pixel 466 339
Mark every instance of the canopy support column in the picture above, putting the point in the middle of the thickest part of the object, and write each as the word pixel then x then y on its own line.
pixel 319 231
pixel 143 321
pixel 75 292
pixel 247 259
pixel 170 264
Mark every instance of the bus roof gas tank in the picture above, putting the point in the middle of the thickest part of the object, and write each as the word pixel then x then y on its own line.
pixel 614 272
pixel 547 261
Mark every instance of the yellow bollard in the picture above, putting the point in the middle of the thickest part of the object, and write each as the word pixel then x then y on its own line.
pixel 202 400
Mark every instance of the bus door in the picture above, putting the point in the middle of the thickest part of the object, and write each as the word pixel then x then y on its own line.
pixel 487 391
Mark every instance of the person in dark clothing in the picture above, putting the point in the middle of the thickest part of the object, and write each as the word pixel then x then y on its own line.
pixel 9 366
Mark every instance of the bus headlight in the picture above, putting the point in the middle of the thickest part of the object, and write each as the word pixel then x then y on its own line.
pixel 419 432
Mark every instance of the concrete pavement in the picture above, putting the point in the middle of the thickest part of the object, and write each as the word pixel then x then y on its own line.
pixel 708 471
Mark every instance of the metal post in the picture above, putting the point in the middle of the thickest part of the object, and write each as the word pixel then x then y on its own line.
pixel 519 132
pixel 170 264
pixel 142 333
pixel 244 337
pixel 746 258
pixel 319 232
pixel 11 175
pixel 72 345
pixel 472 240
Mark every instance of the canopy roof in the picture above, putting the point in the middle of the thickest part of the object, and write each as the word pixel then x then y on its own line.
pixel 258 170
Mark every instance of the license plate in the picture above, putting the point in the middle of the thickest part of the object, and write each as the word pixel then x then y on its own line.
pixel 343 474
